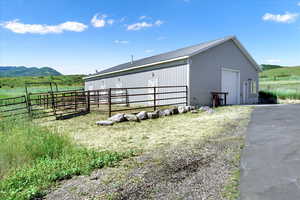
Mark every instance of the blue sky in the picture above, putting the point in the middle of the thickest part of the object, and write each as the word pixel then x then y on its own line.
pixel 81 36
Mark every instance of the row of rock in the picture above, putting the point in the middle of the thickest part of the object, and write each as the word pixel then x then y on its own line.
pixel 143 115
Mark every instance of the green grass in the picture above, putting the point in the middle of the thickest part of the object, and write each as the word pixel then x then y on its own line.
pixel 231 189
pixel 15 86
pixel 19 91
pixel 68 80
pixel 33 158
pixel 283 82
pixel 283 73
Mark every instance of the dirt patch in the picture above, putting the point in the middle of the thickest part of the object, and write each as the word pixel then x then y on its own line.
pixel 197 171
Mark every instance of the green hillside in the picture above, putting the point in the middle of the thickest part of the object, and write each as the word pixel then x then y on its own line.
pixel 13 71
pixel 284 82
pixel 14 86
pixel 268 67
pixel 290 73
pixel 66 80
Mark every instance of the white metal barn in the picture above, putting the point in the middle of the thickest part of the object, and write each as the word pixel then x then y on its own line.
pixel 218 65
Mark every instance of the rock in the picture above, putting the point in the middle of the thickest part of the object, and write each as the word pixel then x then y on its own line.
pixel 117 118
pixel 152 115
pixel 161 113
pixel 105 123
pixel 131 117
pixel 142 115
pixel 188 108
pixel 182 109
pixel 204 108
pixel 167 112
pixel 174 111
pixel 194 111
pixel 210 111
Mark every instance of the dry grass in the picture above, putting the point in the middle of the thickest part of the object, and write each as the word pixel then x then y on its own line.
pixel 151 134
pixel 289 101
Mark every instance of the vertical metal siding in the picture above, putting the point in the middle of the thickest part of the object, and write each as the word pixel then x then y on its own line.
pixel 169 76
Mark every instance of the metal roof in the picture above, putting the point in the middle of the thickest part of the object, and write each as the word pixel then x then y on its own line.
pixel 167 57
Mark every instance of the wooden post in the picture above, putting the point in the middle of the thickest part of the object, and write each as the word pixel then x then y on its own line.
pixel 109 102
pixel 75 102
pixel 154 98
pixel 98 97
pixel 127 98
pixel 225 99
pixel 88 101
pixel 186 95
pixel 28 104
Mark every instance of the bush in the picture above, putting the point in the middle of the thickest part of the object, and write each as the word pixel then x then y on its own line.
pixel 266 97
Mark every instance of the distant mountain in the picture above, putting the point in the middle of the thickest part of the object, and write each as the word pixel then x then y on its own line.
pixel 12 71
pixel 267 67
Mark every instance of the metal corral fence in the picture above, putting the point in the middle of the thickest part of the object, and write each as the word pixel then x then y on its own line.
pixel 13 106
pixel 66 104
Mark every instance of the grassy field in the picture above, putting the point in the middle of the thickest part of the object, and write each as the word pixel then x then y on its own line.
pixel 15 86
pixel 148 135
pixel 35 156
pixel 163 142
pixel 283 82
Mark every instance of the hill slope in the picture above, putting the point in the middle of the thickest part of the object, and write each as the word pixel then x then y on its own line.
pixel 268 67
pixel 66 80
pixel 13 71
pixel 281 72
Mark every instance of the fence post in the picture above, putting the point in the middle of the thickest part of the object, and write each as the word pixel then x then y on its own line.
pixel 109 102
pixel 88 101
pixel 154 98
pixel 28 104
pixel 186 95
pixel 75 102
pixel 53 103
pixel 127 98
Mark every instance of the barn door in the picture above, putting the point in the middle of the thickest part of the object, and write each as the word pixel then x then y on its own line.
pixel 231 84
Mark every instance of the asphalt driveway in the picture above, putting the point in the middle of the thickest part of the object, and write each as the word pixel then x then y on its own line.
pixel 270 164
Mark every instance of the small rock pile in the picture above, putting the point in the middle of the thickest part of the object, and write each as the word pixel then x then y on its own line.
pixel 143 115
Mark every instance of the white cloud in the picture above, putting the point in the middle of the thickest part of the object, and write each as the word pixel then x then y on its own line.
pixel 158 22
pixel 273 61
pixel 142 25
pixel 121 42
pixel 298 3
pixel 285 18
pixel 110 21
pixel 149 51
pixel 138 26
pixel 99 21
pixel 18 27
pixel 142 17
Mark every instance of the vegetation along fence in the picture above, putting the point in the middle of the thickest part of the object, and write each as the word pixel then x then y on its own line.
pixel 66 104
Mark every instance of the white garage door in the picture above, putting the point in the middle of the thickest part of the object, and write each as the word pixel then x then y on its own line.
pixel 231 84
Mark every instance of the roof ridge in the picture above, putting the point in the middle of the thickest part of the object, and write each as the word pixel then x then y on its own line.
pixel 181 52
